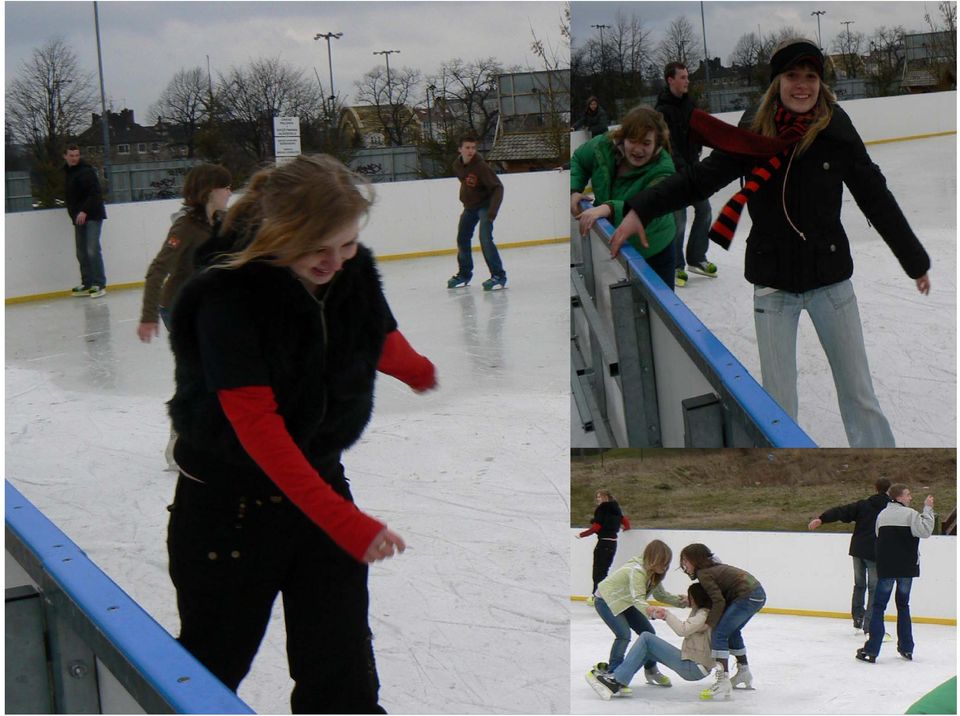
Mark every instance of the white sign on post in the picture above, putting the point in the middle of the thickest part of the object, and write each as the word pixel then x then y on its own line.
pixel 286 138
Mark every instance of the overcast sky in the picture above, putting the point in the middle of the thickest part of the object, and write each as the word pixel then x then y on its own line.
pixel 145 43
pixel 727 21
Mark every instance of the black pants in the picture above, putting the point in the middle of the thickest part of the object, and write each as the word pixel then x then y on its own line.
pixel 603 555
pixel 231 555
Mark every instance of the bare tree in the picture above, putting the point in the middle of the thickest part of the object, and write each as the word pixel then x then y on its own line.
pixel 680 43
pixel 187 102
pixel 391 99
pixel 747 57
pixel 554 87
pixel 49 101
pixel 849 45
pixel 471 88
pixel 253 96
pixel 887 55
pixel 945 46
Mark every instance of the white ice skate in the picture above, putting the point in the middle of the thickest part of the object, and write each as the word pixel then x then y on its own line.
pixel 720 690
pixel 743 676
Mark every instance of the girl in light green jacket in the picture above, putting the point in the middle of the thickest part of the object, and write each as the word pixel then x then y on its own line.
pixel 621 601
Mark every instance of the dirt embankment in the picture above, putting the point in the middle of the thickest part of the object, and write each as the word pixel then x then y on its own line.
pixel 754 489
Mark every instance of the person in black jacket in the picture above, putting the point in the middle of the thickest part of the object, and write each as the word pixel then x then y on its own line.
pixel 595 118
pixel 608 518
pixel 676 107
pixel 863 546
pixel 899 531
pixel 87 212
pixel 800 151
pixel 277 346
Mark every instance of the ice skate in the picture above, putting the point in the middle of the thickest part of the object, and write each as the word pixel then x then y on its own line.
pixel 862 655
pixel 601 667
pixel 604 684
pixel 720 690
pixel 457 281
pixel 704 268
pixel 591 601
pixel 908 655
pixel 656 678
pixel 680 278
pixel 494 283
pixel 743 676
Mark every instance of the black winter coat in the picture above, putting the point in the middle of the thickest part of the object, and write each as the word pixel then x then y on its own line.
pixel 596 123
pixel 776 256
pixel 863 513
pixel 319 354
pixel 676 112
pixel 608 515
pixel 83 193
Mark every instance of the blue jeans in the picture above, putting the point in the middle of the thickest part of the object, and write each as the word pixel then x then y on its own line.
pixel 726 638
pixel 864 581
pixel 885 587
pixel 468 221
pixel 649 646
pixel 699 239
pixel 621 624
pixel 662 265
pixel 836 318
pixel 87 239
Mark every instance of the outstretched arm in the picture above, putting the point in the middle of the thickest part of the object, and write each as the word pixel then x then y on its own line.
pixel 401 361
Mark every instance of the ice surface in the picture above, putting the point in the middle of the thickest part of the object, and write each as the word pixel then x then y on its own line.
pixel 473 475
pixel 801 665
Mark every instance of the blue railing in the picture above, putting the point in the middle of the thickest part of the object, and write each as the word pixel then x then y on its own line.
pixel 736 388
pixel 157 672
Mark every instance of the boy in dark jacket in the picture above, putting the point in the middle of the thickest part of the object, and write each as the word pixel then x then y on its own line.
pixel 863 546
pixel 480 193
pixel 86 210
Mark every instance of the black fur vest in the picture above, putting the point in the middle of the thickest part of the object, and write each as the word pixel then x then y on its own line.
pixel 320 352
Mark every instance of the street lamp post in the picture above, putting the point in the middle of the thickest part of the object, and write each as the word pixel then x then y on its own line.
pixel 818 13
pixel 328 36
pixel 601 28
pixel 386 55
pixel 430 88
pixel 848 23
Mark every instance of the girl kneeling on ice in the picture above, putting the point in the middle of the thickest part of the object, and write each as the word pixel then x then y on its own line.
pixel 692 661
pixel 621 601
pixel 735 596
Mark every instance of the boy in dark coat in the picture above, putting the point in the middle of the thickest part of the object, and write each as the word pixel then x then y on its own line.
pixel 86 210
pixel 863 546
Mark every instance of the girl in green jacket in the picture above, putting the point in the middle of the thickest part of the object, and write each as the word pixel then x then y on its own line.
pixel 617 165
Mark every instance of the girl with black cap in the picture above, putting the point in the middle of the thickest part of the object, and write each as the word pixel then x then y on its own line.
pixel 800 150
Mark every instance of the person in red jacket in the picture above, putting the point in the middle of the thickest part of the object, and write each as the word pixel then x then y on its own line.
pixel 277 346
pixel 608 518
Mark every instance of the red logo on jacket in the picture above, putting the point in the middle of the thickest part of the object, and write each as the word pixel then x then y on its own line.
pixel 472 180
pixel 173 242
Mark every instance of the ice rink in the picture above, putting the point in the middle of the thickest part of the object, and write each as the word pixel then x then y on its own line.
pixel 910 339
pixel 801 665
pixel 474 475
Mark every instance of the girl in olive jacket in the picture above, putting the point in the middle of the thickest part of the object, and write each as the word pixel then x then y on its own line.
pixel 799 152
pixel 618 165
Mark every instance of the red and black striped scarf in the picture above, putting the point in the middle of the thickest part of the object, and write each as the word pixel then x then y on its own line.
pixel 714 133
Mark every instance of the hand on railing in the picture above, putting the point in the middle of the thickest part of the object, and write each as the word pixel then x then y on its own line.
pixel 575 199
pixel 589 217
pixel 628 227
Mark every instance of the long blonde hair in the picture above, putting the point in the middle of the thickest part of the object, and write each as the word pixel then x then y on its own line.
pixel 295 207
pixel 763 122
pixel 656 561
